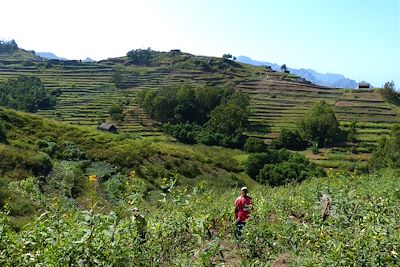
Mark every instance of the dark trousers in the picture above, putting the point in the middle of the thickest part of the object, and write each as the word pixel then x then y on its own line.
pixel 239 228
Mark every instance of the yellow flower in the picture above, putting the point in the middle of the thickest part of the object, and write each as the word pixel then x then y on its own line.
pixel 92 178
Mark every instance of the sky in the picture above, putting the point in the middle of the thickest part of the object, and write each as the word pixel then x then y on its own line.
pixel 357 38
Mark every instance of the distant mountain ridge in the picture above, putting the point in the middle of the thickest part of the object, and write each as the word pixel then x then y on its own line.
pixel 50 55
pixel 327 79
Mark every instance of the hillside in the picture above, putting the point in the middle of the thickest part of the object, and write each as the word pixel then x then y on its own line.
pixel 67 190
pixel 277 99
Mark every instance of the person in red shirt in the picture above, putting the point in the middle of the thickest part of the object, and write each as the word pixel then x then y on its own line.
pixel 242 210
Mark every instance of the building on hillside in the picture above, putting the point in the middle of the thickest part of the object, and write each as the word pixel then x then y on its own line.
pixel 107 127
pixel 364 85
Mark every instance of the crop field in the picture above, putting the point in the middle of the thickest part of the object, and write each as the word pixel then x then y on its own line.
pixel 277 100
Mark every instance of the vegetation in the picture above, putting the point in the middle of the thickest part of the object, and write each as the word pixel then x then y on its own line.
pixel 26 93
pixel 279 167
pixel 187 228
pixel 8 46
pixel 387 154
pixel 389 92
pixel 116 112
pixel 205 115
pixel 320 125
pixel 141 56
pixel 255 145
pixel 290 139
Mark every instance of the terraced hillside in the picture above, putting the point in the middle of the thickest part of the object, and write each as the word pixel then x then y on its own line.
pixel 278 99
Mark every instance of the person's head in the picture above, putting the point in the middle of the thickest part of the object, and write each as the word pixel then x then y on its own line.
pixel 243 191
pixel 135 211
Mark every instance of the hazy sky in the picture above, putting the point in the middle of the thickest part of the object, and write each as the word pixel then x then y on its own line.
pixel 357 38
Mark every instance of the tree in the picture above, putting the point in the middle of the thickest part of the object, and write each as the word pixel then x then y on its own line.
pixel 255 145
pixel 320 125
pixel 290 139
pixel 227 57
pixel 284 68
pixel 8 46
pixel 3 137
pixel 387 153
pixel 227 123
pixel 26 93
pixel 390 94
pixel 141 56
pixel 117 78
pixel 116 112
pixel 352 133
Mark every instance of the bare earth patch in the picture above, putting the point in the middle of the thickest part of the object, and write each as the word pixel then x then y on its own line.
pixel 282 260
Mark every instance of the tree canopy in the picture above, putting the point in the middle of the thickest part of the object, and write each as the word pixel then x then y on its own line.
pixel 387 154
pixel 26 93
pixel 208 115
pixel 320 125
pixel 8 46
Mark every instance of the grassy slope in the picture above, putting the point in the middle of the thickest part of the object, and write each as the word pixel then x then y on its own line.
pixel 77 152
pixel 276 99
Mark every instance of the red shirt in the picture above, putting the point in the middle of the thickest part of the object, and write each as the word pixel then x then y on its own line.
pixel 242 208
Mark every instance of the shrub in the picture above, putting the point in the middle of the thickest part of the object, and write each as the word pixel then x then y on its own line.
pixel 278 167
pixel 255 145
pixel 183 132
pixel 296 169
pixel 290 139
pixel 387 154
pixel 3 137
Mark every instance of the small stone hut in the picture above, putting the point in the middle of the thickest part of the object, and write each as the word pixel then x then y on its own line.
pixel 107 127
pixel 364 85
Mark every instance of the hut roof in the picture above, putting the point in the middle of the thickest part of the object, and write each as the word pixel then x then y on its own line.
pixel 106 126
pixel 363 84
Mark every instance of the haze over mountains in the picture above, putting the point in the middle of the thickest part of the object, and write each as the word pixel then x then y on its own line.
pixel 327 79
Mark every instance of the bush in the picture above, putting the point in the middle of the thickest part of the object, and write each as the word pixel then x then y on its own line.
pixel 255 145
pixel 294 170
pixel 183 132
pixel 3 137
pixel 141 56
pixel 278 167
pixel 387 154
pixel 26 93
pixel 290 139
pixel 116 112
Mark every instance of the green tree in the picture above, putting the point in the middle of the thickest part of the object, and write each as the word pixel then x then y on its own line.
pixel 117 78
pixel 3 137
pixel 8 46
pixel 352 133
pixel 227 123
pixel 116 112
pixel 387 153
pixel 26 93
pixel 141 56
pixel 320 125
pixel 390 94
pixel 255 145
pixel 284 68
pixel 290 139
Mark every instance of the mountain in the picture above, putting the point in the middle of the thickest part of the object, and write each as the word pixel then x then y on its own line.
pixel 88 59
pixel 49 55
pixel 327 79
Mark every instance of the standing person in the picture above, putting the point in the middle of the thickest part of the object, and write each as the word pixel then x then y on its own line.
pixel 242 210
pixel 140 223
